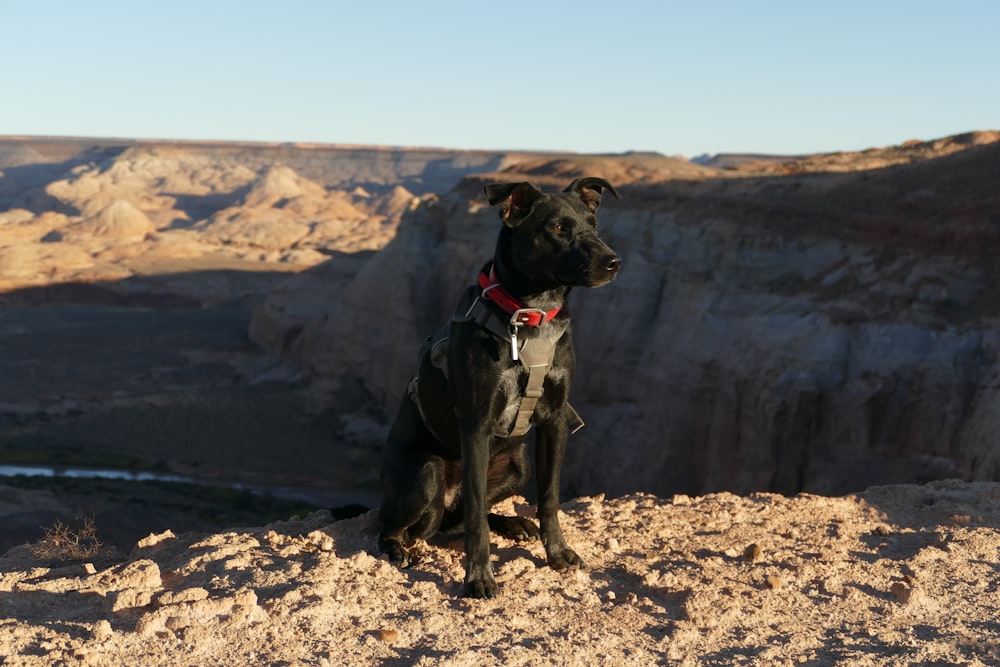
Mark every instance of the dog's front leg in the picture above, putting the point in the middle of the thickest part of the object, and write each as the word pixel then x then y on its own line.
pixel 550 445
pixel 479 581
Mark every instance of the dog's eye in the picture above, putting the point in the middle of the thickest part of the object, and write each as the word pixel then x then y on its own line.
pixel 556 228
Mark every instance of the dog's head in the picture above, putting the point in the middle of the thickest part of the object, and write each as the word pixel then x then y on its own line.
pixel 553 235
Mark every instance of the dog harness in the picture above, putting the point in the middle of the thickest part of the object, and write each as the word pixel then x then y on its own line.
pixel 535 353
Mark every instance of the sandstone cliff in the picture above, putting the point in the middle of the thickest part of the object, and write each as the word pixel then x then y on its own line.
pixel 806 326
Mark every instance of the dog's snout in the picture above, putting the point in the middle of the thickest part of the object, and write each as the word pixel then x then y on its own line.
pixel 611 263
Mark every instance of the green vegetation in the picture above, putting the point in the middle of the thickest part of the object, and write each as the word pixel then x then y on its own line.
pixel 35 451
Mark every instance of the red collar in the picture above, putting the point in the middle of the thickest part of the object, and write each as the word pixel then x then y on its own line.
pixel 521 313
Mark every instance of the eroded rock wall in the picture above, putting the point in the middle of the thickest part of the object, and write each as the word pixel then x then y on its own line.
pixel 815 331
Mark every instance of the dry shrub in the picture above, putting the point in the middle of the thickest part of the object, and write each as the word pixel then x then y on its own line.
pixel 64 543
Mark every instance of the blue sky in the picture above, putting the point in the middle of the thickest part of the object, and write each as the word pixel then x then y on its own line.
pixel 675 77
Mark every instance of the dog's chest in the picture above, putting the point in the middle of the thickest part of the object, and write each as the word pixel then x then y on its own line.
pixel 510 386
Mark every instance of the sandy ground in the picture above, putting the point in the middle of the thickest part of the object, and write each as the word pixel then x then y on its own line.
pixel 897 575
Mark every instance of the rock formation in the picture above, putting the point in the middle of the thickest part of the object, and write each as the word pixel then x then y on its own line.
pixel 814 323
pixel 821 330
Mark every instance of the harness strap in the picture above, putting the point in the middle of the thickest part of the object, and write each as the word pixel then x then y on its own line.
pixel 533 392
pixel 535 354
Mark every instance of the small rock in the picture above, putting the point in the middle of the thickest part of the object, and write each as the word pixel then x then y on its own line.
pixel 176 623
pixel 102 630
pixel 193 594
pixel 320 540
pixel 72 570
pixel 612 544
pixel 129 598
pixel 902 592
pixel 276 539
pixel 772 581
pixel 388 635
pixel 753 552
pixel 155 538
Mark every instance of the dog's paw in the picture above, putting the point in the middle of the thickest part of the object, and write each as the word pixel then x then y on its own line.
pixel 481 588
pixel 398 554
pixel 514 527
pixel 565 559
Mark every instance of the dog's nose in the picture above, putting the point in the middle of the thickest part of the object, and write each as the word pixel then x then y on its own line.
pixel 612 263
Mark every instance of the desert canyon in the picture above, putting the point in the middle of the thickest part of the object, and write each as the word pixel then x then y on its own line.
pixel 791 395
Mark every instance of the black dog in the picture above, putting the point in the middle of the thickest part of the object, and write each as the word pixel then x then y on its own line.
pixel 502 364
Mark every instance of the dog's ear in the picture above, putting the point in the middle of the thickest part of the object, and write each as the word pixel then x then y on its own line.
pixel 515 200
pixel 589 190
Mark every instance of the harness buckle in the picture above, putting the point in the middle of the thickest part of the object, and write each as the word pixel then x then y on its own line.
pixel 513 338
pixel 520 318
pixel 524 316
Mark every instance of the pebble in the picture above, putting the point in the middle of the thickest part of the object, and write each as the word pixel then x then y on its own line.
pixel 320 540
pixel 193 594
pixel 753 552
pixel 388 635
pixel 901 592
pixel 102 630
pixel 772 581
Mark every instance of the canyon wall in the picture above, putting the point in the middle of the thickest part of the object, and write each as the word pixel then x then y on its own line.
pixel 817 323
pixel 805 327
